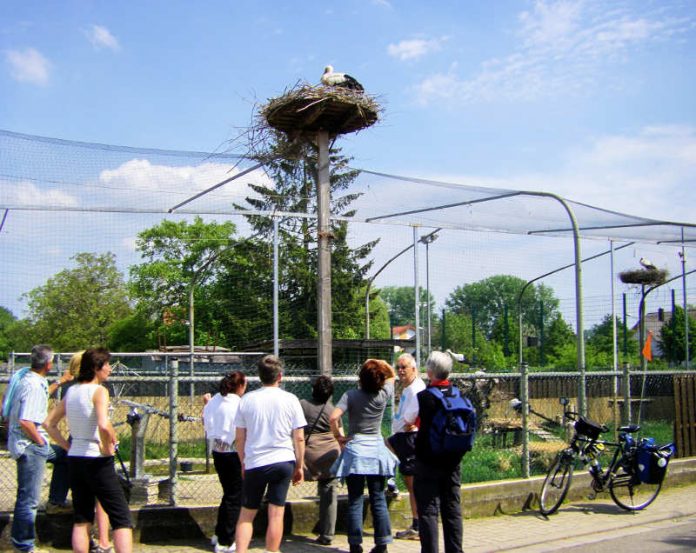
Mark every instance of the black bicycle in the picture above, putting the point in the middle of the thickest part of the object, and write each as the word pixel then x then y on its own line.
pixel 633 477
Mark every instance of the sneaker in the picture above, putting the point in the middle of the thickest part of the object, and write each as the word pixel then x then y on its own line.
pixel 408 534
pixel 321 540
pixel 392 488
pixel 59 508
pixel 225 548
pixel 101 549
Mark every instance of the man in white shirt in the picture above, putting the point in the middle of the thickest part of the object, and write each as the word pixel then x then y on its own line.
pixel 404 429
pixel 270 442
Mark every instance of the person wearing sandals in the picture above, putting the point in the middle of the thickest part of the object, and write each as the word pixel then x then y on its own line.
pixel 321 450
pixel 218 419
pixel 91 452
pixel 365 459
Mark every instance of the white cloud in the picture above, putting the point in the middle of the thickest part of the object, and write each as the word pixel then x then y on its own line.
pixel 27 194
pixel 101 37
pixel 28 66
pixel 562 47
pixel 139 180
pixel 414 48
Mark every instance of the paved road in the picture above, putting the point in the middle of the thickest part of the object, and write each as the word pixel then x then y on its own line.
pixel 668 523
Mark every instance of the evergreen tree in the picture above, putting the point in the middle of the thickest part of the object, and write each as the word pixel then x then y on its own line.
pixel 294 190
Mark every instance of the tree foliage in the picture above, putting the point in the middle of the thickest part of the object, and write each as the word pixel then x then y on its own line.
pixel 489 299
pixel 7 320
pixel 400 301
pixel 76 307
pixel 672 337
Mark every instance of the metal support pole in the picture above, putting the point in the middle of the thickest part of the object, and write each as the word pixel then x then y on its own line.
pixel 626 392
pixel 324 255
pixel 192 347
pixel 614 344
pixel 276 323
pixel 173 429
pixel 427 288
pixel 416 290
pixel 524 397
pixel 641 327
pixel 682 254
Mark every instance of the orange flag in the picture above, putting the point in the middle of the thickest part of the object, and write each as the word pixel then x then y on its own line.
pixel 647 348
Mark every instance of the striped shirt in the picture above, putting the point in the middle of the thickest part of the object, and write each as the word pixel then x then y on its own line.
pixel 30 403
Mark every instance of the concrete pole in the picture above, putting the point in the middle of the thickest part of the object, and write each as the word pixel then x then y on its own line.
pixel 682 254
pixel 192 346
pixel 173 428
pixel 324 256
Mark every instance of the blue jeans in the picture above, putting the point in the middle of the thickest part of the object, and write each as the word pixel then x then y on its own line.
pixel 378 506
pixel 30 471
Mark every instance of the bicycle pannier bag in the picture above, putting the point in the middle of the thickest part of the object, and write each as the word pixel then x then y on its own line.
pixel 454 424
pixel 652 461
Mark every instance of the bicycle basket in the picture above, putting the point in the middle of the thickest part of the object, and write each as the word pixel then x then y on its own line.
pixel 586 427
pixel 652 461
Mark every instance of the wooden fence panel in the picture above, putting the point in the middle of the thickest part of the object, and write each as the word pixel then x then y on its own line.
pixel 685 415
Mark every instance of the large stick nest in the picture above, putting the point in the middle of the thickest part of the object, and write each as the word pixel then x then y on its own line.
pixel 647 277
pixel 307 109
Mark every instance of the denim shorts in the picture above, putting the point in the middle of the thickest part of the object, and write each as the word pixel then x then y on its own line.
pixel 276 476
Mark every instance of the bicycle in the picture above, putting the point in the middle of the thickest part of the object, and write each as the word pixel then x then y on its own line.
pixel 633 477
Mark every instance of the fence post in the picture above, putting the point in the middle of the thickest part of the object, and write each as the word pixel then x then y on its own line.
pixel 173 428
pixel 524 396
pixel 626 393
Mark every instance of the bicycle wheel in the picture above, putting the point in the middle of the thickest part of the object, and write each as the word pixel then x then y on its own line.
pixel 556 484
pixel 629 493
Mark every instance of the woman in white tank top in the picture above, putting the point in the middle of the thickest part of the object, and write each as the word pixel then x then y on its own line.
pixel 91 453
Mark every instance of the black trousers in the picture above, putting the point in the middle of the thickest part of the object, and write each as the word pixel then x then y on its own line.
pixel 437 491
pixel 229 471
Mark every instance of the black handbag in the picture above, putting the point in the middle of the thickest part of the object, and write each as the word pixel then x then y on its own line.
pixel 124 478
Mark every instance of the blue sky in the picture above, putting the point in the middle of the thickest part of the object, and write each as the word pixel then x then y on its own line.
pixel 593 100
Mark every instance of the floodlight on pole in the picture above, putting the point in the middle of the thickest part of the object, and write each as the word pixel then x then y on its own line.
pixel 427 240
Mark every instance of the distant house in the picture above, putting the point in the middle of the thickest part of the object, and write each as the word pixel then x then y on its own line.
pixel 404 332
pixel 654 324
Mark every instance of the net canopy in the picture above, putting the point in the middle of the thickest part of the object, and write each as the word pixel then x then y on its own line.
pixel 40 173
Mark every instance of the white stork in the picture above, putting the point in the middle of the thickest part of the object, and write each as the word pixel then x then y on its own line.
pixel 649 265
pixel 331 78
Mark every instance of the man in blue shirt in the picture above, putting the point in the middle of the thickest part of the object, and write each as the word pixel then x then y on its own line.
pixel 28 444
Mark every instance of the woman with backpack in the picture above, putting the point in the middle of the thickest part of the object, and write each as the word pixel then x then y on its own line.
pixel 365 458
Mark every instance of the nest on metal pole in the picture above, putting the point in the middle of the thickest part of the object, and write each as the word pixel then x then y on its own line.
pixel 305 109
pixel 644 277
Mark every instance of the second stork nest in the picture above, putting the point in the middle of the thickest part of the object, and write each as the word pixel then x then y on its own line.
pixel 647 277
pixel 308 109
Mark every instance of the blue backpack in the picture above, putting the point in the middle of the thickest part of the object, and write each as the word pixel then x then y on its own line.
pixel 454 424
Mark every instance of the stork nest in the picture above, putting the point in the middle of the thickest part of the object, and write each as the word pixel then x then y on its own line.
pixel 307 109
pixel 647 277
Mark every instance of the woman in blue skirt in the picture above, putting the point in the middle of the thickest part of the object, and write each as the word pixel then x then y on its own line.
pixel 365 458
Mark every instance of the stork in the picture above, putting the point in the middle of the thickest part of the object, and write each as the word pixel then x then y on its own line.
pixel 331 78
pixel 647 264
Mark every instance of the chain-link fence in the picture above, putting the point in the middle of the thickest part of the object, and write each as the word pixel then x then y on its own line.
pixel 156 409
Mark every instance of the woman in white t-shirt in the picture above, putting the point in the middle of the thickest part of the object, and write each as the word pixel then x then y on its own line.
pixel 218 419
pixel 91 453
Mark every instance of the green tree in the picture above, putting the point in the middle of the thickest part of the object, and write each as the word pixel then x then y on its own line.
pixel 599 337
pixel 294 190
pixel 177 256
pixel 401 304
pixel 478 351
pixel 7 319
pixel 672 337
pixel 487 300
pixel 76 307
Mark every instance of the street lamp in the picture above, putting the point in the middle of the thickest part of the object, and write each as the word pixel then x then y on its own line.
pixel 427 240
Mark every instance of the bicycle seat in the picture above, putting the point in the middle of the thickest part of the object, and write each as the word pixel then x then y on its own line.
pixel 630 428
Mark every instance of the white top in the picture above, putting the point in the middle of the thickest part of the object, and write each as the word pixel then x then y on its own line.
pixel 218 421
pixel 408 406
pixel 269 415
pixel 82 421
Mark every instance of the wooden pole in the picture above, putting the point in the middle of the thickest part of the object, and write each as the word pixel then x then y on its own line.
pixel 324 256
